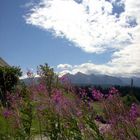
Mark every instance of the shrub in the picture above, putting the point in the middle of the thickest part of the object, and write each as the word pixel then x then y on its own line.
pixel 9 77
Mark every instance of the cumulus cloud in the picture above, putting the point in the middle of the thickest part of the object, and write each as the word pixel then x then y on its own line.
pixel 90 25
pixel 106 69
pixel 64 66
pixel 95 26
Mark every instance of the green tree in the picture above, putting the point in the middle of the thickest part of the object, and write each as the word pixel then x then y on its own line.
pixel 9 77
pixel 48 75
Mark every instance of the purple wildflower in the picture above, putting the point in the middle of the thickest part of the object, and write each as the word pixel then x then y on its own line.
pixel 7 113
pixel 113 91
pixel 57 96
pixel 79 113
pixel 41 87
pixel 97 95
pixel 133 113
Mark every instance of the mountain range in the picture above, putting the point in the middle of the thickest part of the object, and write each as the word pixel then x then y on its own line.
pixel 92 79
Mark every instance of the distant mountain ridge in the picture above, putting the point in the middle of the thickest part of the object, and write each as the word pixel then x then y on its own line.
pixel 92 79
pixel 81 78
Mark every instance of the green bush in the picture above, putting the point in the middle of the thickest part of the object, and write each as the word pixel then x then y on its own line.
pixel 9 77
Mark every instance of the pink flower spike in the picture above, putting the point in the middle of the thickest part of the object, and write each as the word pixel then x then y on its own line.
pixel 113 91
pixel 7 113
pixel 97 95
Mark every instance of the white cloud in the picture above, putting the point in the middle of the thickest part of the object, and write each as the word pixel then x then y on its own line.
pixel 92 26
pixel 108 69
pixel 64 66
pixel 31 71
pixel 24 76
pixel 64 72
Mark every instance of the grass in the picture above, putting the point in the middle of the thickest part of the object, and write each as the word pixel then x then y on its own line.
pixel 98 108
pixel 5 125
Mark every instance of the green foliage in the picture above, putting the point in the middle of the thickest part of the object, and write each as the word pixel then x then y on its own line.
pixel 129 99
pixel 48 75
pixel 26 120
pixel 9 77
pixel 52 126
pixel 95 130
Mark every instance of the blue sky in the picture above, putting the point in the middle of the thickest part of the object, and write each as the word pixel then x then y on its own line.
pixel 62 36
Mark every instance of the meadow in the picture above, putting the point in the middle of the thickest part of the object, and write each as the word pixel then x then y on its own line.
pixel 53 110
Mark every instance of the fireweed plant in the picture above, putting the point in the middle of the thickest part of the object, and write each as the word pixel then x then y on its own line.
pixel 57 112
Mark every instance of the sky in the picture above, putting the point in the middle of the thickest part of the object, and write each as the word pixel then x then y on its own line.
pixel 88 36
